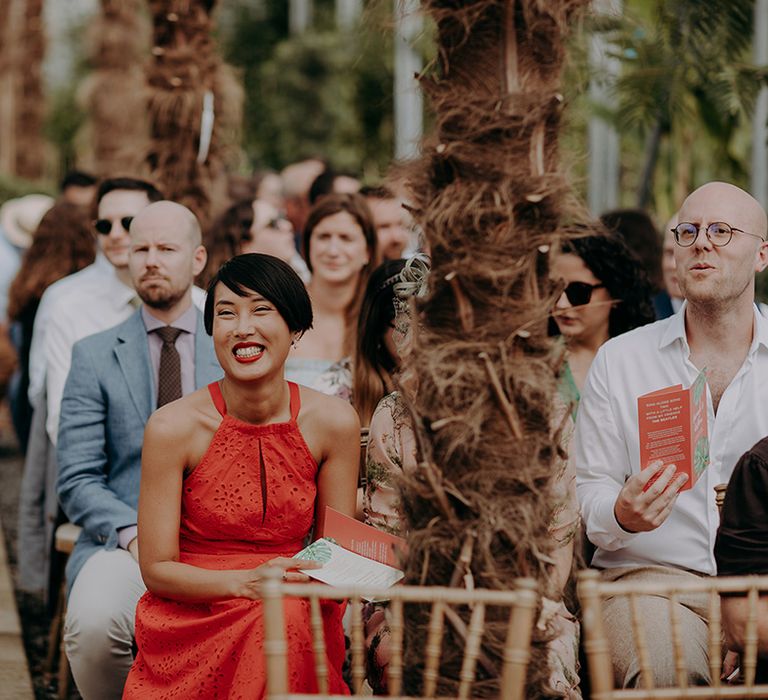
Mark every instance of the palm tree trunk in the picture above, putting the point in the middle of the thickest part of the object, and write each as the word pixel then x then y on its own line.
pixel 491 200
pixel 31 148
pixel 114 94
pixel 11 10
pixel 195 107
pixel 22 148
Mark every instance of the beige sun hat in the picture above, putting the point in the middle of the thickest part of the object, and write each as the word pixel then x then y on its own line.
pixel 19 217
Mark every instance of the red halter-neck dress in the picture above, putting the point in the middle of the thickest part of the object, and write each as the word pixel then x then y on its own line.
pixel 250 499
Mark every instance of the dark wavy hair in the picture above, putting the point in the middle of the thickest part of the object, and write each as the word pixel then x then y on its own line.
pixel 621 272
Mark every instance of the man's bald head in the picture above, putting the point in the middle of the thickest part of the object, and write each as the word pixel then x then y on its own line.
pixel 728 204
pixel 721 276
pixel 166 255
pixel 169 214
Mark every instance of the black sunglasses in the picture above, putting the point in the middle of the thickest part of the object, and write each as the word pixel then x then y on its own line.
pixel 579 293
pixel 104 226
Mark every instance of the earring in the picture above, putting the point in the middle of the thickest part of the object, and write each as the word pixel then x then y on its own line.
pixel 293 343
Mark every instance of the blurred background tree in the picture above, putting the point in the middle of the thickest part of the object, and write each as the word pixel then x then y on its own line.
pixel 681 103
pixel 325 92
pixel 685 95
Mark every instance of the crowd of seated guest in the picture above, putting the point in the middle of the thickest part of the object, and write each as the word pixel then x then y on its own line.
pixel 307 282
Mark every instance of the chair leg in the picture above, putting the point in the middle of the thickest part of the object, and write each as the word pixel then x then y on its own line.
pixel 54 635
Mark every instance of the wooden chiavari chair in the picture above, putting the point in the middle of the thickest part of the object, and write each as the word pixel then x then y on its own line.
pixel 720 497
pixel 592 592
pixel 65 540
pixel 521 603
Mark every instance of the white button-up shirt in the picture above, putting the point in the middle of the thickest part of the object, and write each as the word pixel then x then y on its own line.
pixel 606 446
pixel 92 302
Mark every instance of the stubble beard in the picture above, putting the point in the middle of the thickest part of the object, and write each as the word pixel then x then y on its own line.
pixel 161 299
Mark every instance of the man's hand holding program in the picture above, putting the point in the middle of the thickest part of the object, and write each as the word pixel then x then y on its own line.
pixel 639 507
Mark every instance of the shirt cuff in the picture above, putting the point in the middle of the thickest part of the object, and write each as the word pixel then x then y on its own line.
pixel 613 533
pixel 126 535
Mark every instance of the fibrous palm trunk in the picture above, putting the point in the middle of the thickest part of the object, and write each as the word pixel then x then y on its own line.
pixel 10 10
pixel 493 204
pixel 195 106
pixel 114 94
pixel 22 106
pixel 30 146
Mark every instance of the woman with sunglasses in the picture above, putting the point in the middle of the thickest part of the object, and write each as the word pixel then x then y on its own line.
pixel 251 226
pixel 606 294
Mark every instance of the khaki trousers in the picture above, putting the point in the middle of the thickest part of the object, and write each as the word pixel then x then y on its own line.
pixel 655 613
pixel 99 627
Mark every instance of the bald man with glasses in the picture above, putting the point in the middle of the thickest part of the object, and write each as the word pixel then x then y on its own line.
pixel 649 529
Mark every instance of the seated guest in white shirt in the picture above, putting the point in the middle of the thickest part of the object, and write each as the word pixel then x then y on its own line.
pixel 662 532
pixel 95 298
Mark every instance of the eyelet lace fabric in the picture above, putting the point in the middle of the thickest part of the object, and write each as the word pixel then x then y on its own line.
pixel 250 499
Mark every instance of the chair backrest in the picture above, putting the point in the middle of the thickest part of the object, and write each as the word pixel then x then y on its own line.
pixel 66 537
pixel 720 490
pixel 593 591
pixel 521 602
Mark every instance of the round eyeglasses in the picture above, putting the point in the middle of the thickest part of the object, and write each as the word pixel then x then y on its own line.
pixel 718 233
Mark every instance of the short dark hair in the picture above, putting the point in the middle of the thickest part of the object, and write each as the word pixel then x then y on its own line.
pixel 128 183
pixel 269 276
pixel 356 206
pixel 77 178
pixel 377 192
pixel 322 185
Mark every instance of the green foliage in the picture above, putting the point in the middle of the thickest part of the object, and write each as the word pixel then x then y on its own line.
pixel 687 84
pixel 308 92
pixel 65 118
pixel 11 187
pixel 251 32
pixel 325 93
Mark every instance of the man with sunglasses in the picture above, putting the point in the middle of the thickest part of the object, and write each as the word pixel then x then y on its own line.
pixel 643 525
pixel 118 378
pixel 91 300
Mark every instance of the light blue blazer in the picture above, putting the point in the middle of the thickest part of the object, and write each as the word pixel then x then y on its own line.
pixel 108 398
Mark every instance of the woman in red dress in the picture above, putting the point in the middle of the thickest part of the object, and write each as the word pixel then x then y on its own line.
pixel 234 477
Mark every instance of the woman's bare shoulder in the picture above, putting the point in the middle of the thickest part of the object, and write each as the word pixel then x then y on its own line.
pixel 184 417
pixel 330 412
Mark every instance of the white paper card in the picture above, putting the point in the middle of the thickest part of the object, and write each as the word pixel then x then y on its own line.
pixel 344 568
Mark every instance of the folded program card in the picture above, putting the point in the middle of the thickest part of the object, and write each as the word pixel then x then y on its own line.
pixel 344 568
pixel 673 429
pixel 363 539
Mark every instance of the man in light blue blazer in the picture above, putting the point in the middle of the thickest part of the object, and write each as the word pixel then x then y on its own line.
pixel 117 378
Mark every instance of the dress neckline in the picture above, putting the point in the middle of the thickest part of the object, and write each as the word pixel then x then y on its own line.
pixel 214 389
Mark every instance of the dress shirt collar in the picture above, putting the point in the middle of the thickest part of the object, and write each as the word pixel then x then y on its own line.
pixel 187 322
pixel 101 262
pixel 118 293
pixel 675 329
